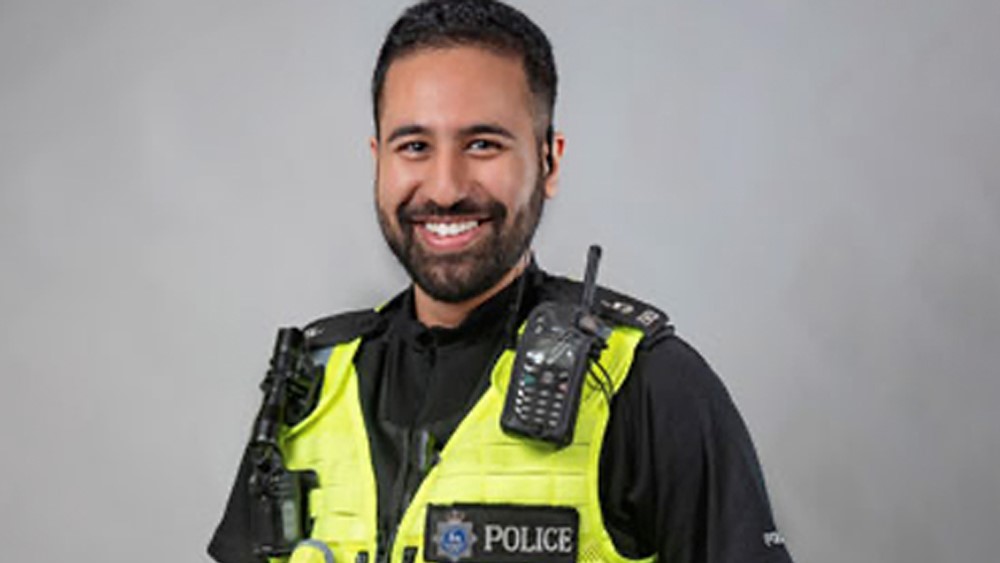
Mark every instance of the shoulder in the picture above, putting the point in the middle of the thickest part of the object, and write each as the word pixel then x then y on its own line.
pixel 671 369
pixel 664 363
pixel 346 326
pixel 340 328
pixel 678 401
pixel 614 307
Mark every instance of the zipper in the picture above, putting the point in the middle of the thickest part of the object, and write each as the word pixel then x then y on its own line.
pixel 426 459
pixel 386 544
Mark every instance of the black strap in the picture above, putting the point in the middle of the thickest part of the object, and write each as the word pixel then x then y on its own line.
pixel 628 311
pixel 614 307
pixel 338 329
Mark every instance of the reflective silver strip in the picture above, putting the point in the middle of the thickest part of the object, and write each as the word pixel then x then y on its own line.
pixel 321 546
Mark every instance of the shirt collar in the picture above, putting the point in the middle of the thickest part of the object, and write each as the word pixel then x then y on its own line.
pixel 486 320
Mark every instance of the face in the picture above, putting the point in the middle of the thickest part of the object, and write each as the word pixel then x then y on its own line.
pixel 460 182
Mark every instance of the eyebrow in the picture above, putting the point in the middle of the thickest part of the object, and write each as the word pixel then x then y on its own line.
pixel 477 129
pixel 405 130
pixel 486 129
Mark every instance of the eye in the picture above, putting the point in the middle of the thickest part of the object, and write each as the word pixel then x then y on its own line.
pixel 484 146
pixel 412 147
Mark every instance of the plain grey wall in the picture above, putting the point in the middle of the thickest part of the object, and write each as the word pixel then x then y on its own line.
pixel 811 189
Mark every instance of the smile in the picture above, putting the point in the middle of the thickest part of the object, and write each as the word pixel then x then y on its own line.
pixel 451 229
pixel 451 234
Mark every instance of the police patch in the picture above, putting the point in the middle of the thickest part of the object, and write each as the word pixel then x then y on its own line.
pixel 494 533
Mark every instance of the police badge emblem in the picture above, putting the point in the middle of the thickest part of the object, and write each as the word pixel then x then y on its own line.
pixel 454 537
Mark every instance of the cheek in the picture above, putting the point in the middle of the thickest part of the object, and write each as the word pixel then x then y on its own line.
pixel 395 183
pixel 510 181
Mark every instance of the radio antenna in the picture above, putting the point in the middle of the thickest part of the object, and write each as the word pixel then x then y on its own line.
pixel 590 277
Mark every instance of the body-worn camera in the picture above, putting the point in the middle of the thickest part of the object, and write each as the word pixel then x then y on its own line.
pixel 279 511
pixel 553 359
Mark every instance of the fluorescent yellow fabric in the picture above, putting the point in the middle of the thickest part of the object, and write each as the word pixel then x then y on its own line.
pixel 479 464
pixel 332 441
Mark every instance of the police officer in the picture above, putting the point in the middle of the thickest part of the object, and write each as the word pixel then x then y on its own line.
pixel 411 461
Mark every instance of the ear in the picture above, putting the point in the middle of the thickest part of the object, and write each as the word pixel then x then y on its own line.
pixel 551 162
pixel 373 145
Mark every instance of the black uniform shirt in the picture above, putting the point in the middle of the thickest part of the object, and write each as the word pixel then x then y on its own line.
pixel 678 473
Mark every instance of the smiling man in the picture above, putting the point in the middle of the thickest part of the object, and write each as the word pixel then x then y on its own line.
pixel 463 170
pixel 410 439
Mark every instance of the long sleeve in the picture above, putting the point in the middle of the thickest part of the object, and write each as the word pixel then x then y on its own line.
pixel 679 474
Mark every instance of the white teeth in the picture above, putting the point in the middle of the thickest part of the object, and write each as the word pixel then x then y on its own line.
pixel 450 229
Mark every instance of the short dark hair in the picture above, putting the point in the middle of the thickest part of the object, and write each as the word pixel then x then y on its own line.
pixel 488 24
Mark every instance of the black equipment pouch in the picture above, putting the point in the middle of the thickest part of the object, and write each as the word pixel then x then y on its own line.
pixel 279 507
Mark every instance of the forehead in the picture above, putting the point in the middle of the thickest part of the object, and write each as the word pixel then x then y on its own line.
pixel 453 87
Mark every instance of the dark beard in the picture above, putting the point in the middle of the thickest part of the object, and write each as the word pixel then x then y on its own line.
pixel 458 277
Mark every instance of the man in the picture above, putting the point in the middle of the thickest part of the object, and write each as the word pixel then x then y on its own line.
pixel 406 439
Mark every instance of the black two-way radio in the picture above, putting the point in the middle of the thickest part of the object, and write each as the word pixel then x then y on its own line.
pixel 553 359
pixel 279 514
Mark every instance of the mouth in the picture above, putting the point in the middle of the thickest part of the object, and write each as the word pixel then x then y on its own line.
pixel 449 234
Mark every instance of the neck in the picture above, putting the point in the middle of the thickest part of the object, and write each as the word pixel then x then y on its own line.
pixel 432 312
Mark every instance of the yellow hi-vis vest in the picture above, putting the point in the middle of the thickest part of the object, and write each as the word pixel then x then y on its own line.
pixel 479 464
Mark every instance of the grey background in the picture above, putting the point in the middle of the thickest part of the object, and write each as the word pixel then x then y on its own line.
pixel 811 189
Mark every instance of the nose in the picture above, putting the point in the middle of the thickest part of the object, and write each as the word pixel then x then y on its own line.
pixel 447 183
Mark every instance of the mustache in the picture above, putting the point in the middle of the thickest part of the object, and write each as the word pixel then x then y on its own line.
pixel 492 209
